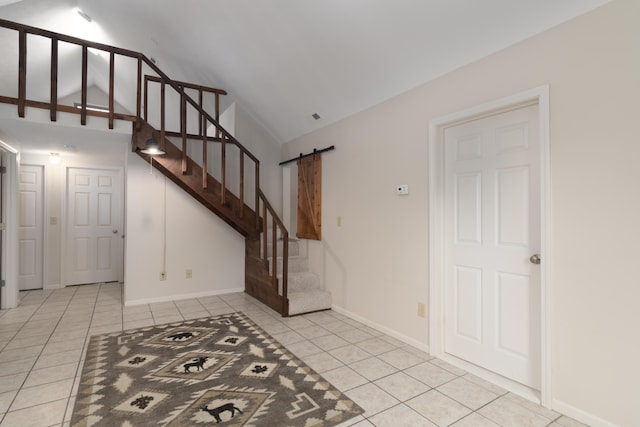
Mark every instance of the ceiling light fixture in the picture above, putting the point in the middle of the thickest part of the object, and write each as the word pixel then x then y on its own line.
pixel 54 158
pixel 84 15
pixel 152 148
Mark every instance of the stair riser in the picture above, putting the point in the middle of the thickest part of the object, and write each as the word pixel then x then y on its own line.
pixel 294 248
pixel 299 282
pixel 305 302
pixel 295 265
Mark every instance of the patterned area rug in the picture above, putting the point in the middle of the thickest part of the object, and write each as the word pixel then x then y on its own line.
pixel 221 370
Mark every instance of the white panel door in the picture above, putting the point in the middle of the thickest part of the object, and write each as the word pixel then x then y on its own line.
pixel 30 227
pixel 492 211
pixel 94 220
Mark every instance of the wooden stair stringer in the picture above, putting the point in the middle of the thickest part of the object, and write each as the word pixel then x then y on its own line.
pixel 170 165
pixel 258 281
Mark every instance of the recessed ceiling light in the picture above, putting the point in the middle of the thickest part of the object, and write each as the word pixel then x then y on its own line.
pixel 84 15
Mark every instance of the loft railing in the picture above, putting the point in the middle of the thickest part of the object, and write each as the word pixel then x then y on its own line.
pixel 204 120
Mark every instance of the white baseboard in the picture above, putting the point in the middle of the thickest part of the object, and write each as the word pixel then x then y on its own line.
pixel 405 339
pixel 182 297
pixel 580 415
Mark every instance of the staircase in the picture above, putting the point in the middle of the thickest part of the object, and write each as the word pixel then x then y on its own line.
pixel 305 291
pixel 282 282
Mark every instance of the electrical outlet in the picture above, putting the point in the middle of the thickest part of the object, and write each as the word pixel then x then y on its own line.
pixel 402 189
pixel 188 273
pixel 421 310
pixel 163 276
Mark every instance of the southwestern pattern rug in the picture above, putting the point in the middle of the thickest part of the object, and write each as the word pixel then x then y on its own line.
pixel 222 370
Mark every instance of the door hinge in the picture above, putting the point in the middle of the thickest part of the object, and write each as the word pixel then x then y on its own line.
pixel 3 169
pixel 2 283
pixel 3 227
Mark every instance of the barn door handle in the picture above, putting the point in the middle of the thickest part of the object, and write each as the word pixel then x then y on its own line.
pixel 535 259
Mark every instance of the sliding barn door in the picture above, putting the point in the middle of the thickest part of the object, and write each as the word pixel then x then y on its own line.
pixel 310 197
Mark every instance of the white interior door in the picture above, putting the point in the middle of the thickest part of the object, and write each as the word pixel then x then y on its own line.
pixel 30 227
pixel 492 228
pixel 94 220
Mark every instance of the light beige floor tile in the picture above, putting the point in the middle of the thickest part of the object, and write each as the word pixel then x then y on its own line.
pixel 190 315
pixel 373 368
pixel 56 359
pixel 402 386
pixel 50 375
pixel 20 353
pixel 168 318
pixel 311 332
pixel 288 337
pixel 69 411
pixel 143 308
pixel 349 354
pixel 354 335
pixel 506 412
pixel 298 322
pixel 304 348
pixel 32 396
pixel 371 398
pixel 376 346
pixel 322 362
pixel 105 329
pixel 429 374
pixel 135 324
pixel 138 315
pixel 344 378
pixel 485 384
pixel 547 413
pixel 26 342
pixel 400 358
pixel 17 366
pixel 400 416
pixel 448 367
pixel 48 414
pixel 5 400
pixel 565 421
pixel 12 382
pixel 469 394
pixel 338 326
pixel 475 420
pixel 438 408
pixel 329 342
pixel 69 334
pixel 60 346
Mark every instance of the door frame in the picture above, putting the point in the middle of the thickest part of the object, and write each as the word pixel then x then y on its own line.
pixel 10 240
pixel 539 96
pixel 64 217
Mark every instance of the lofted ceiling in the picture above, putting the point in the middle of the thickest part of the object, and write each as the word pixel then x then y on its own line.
pixel 284 60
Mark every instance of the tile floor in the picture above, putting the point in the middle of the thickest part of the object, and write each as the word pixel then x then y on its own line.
pixel 43 342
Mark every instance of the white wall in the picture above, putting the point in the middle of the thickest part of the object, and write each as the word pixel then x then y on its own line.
pixel 375 265
pixel 196 239
pixel 55 188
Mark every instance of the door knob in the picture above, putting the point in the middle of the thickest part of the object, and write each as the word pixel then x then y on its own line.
pixel 115 231
pixel 535 259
